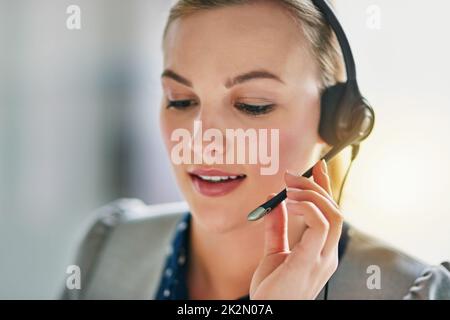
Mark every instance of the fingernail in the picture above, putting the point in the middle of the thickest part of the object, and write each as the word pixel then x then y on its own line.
pixel 323 166
pixel 270 196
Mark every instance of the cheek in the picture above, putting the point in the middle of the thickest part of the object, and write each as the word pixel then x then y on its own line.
pixel 294 154
pixel 167 125
pixel 166 132
pixel 164 124
pixel 296 145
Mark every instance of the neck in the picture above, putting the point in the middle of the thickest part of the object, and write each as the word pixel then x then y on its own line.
pixel 221 265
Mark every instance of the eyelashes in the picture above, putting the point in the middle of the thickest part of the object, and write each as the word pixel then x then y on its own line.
pixel 246 108
pixel 254 109
pixel 181 104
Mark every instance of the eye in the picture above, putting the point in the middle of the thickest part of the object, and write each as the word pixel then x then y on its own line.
pixel 181 104
pixel 254 109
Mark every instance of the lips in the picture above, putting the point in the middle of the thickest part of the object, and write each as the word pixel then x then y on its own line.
pixel 214 182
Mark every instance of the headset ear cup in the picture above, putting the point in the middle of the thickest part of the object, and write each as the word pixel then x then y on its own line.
pixel 330 100
pixel 363 119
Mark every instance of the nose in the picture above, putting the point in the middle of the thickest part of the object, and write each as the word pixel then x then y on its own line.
pixel 208 142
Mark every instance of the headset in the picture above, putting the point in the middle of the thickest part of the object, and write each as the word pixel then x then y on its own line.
pixel 346 117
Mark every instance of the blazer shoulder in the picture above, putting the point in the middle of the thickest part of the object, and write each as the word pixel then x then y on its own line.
pixel 373 269
pixel 125 231
pixel 124 211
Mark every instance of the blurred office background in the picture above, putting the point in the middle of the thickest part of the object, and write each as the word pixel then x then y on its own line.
pixel 79 126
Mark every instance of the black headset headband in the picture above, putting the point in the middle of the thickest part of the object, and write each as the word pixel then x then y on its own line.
pixel 332 20
pixel 346 117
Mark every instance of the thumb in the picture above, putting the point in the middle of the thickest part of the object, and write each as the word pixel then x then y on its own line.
pixel 276 229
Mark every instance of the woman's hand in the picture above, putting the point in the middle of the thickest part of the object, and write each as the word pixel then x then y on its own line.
pixel 302 271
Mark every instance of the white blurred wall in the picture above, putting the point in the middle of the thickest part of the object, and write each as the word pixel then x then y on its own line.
pixel 398 189
pixel 78 128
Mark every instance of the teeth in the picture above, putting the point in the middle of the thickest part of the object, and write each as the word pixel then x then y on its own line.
pixel 219 178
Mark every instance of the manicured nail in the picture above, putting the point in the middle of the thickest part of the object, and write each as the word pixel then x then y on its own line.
pixel 323 166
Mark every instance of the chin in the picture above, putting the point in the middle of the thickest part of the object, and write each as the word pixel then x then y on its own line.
pixel 219 215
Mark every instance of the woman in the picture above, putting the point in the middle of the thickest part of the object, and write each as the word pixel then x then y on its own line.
pixel 242 64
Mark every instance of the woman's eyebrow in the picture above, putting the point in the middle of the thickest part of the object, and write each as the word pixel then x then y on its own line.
pixel 251 75
pixel 175 76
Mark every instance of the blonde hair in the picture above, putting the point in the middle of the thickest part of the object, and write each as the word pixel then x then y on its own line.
pixel 321 40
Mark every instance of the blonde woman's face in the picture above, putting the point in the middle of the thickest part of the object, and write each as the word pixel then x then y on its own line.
pixel 238 67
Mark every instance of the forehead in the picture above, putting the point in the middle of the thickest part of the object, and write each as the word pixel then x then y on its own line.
pixel 237 38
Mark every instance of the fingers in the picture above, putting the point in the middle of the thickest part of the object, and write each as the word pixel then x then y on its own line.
pixel 300 190
pixel 326 209
pixel 315 236
pixel 276 230
pixel 300 182
pixel 320 175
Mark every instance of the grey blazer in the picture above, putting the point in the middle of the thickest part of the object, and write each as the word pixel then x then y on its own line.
pixel 122 256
